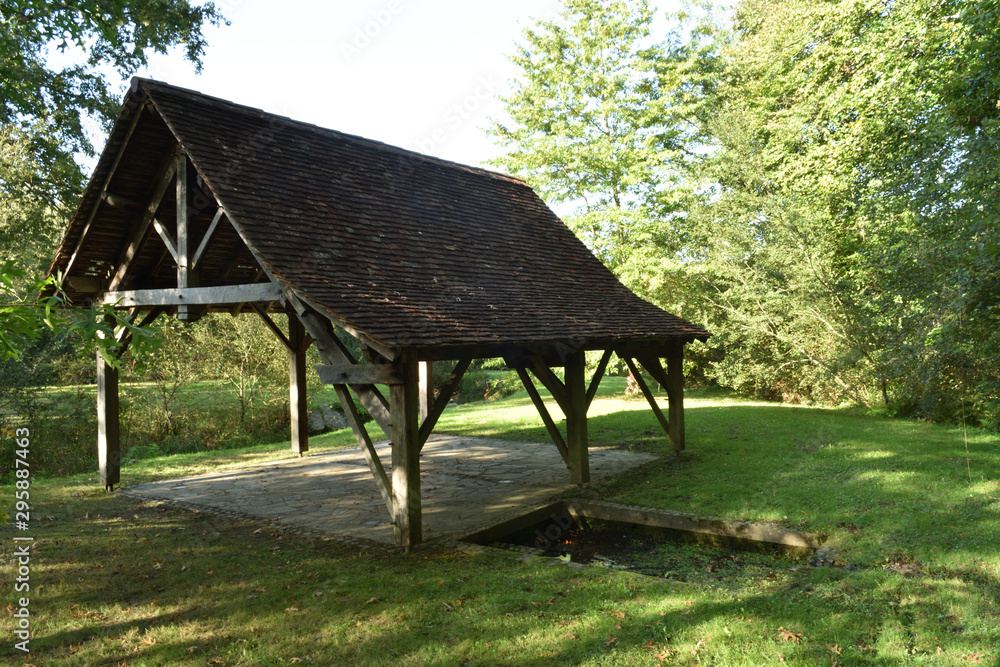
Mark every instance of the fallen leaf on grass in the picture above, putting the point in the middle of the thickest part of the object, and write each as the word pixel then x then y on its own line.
pixel 835 649
pixel 370 600
pixel 148 642
pixel 570 635
pixel 450 608
pixel 611 641
pixel 292 608
pixel 787 635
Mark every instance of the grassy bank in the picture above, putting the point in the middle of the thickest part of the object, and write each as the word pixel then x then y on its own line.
pixel 116 582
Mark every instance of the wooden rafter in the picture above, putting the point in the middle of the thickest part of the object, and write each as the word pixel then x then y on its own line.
pixel 104 187
pixel 141 230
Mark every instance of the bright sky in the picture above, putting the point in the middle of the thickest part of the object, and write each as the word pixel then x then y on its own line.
pixel 420 74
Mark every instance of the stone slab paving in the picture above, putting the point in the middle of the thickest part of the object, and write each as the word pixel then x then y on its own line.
pixel 466 483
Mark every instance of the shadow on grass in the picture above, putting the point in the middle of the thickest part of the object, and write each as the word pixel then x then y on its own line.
pixel 169 587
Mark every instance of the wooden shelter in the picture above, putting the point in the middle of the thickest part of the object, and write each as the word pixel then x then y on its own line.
pixel 198 204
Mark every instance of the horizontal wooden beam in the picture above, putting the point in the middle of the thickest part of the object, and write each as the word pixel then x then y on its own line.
pixel 359 374
pixel 194 296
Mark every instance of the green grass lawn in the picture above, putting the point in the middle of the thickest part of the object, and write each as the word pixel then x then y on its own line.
pixel 118 582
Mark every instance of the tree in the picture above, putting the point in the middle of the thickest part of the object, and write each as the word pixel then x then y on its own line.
pixel 856 222
pixel 52 104
pixel 600 119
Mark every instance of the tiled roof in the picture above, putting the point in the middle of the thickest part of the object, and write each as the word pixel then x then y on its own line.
pixel 410 250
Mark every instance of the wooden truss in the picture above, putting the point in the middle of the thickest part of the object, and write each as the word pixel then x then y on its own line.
pixel 408 415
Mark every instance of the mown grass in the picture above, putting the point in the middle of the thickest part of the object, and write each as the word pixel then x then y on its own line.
pixel 119 582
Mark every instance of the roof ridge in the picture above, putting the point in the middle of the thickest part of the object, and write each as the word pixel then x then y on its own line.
pixel 313 127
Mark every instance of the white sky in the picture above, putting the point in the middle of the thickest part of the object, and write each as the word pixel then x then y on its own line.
pixel 420 74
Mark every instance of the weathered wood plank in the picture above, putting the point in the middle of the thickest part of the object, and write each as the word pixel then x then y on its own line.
pixel 359 374
pixel 443 398
pixel 650 398
pixel 577 439
pixel 298 397
pixel 195 296
pixel 543 412
pixel 404 406
pixel 426 389
pixel 108 429
pixel 367 448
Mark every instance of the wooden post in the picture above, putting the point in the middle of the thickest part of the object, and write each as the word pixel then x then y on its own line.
pixel 187 276
pixel 404 412
pixel 578 457
pixel 675 398
pixel 426 388
pixel 108 433
pixel 298 398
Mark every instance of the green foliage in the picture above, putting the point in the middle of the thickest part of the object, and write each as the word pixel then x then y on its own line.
pixel 856 171
pixel 599 119
pixel 59 101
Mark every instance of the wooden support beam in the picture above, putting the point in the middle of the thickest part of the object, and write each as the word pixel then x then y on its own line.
pixel 298 398
pixel 367 448
pixel 652 364
pixel 577 441
pixel 675 397
pixel 140 231
pixel 200 252
pixel 444 397
pixel 543 412
pixel 426 388
pixel 275 329
pixel 551 382
pixel 194 296
pixel 359 374
pixel 167 239
pixel 126 338
pixel 404 406
pixel 595 382
pixel 108 429
pixel 332 351
pixel 644 388
pixel 187 274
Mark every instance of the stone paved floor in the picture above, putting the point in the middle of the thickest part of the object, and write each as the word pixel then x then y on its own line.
pixel 466 483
